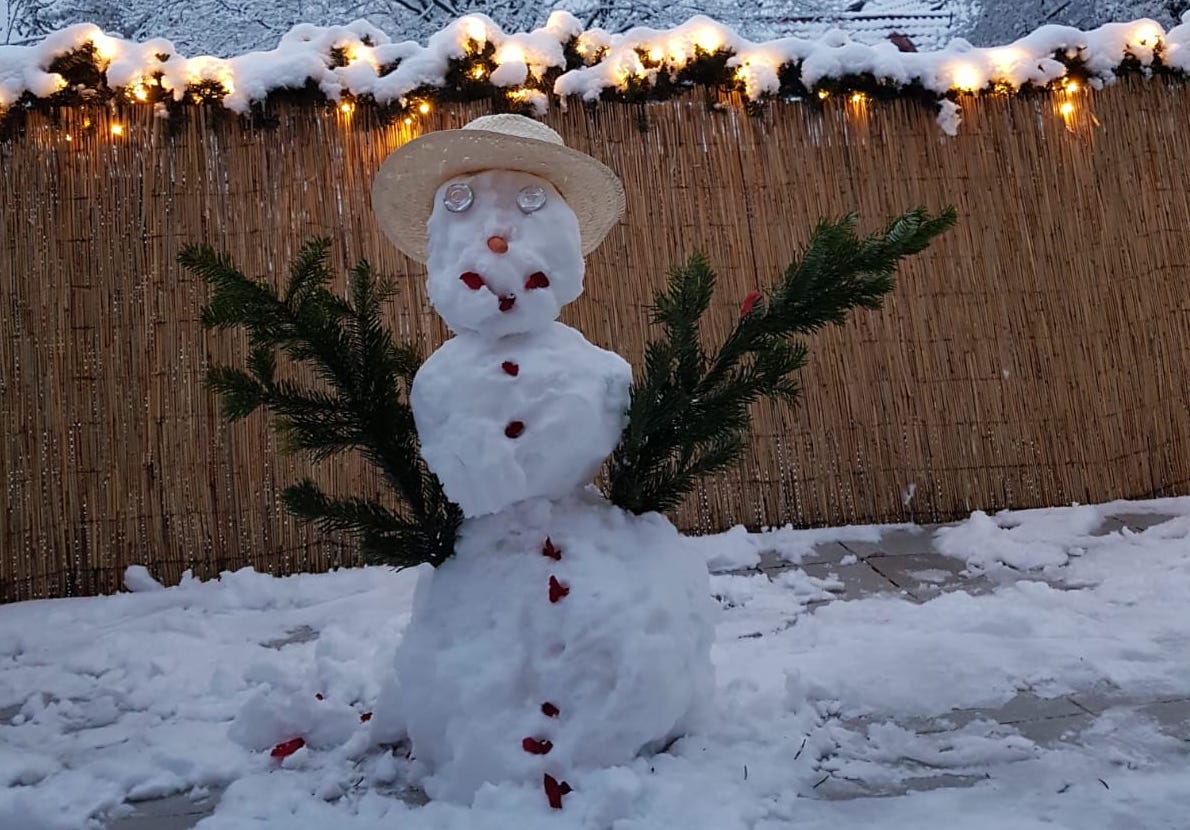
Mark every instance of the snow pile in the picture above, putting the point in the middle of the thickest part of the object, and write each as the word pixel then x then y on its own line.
pixel 592 657
pixel 145 694
pixel 358 60
pixel 1048 537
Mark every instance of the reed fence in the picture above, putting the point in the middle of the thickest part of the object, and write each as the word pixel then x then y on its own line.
pixel 1038 354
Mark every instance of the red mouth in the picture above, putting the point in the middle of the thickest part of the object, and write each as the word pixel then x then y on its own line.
pixel 506 303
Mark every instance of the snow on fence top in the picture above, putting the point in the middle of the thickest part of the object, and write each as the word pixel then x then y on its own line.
pixel 473 59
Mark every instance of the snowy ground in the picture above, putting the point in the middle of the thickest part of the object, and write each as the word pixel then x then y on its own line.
pixel 1016 671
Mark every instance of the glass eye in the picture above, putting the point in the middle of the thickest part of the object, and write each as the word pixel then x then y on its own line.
pixel 458 197
pixel 530 198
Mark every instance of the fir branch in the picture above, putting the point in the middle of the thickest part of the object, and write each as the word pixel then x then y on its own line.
pixel 690 415
pixel 360 408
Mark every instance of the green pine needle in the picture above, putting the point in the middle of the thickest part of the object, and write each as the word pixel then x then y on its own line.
pixel 690 413
pixel 359 406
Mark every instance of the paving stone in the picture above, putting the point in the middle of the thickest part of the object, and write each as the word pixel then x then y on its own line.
pixel 7 713
pixel 772 563
pixel 927 575
pixel 859 579
pixel 1172 716
pixel 1025 707
pixel 1051 731
pixel 1140 521
pixel 174 812
pixel 301 634
pixel 826 553
pixel 895 542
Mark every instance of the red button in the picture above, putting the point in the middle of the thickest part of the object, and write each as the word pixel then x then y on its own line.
pixel 536 747
pixel 510 368
pixel 514 429
pixel 537 280
pixel 557 589
pixel 550 710
pixel 472 280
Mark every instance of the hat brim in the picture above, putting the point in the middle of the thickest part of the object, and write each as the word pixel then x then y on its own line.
pixel 404 188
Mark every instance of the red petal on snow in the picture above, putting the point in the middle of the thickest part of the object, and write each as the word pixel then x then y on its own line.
pixel 287 748
pixel 749 303
pixel 365 717
pixel 554 791
pixel 548 550
pixel 537 280
pixel 510 368
pixel 536 747
pixel 514 429
pixel 506 303
pixel 557 589
pixel 550 710
pixel 472 280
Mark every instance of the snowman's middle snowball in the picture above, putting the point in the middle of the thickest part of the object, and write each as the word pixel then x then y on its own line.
pixel 513 287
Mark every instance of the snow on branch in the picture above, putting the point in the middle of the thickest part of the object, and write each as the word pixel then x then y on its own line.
pixel 473 58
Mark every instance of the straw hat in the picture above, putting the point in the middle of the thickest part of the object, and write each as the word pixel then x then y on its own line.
pixel 403 192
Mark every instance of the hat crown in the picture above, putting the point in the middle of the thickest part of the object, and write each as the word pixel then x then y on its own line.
pixel 517 126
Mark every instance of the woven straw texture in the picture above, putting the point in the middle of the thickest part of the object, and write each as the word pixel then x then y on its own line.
pixel 1039 354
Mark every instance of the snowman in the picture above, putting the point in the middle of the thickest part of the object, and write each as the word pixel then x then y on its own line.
pixel 564 634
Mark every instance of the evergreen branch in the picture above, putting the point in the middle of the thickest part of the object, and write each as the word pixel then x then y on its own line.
pixel 689 416
pixel 352 352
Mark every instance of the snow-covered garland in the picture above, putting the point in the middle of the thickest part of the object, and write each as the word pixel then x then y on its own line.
pixel 474 59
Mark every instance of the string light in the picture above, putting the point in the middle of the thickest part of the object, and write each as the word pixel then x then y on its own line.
pixel 1067 109
pixel 1147 34
pixel 708 39
pixel 510 53
pixel 105 47
pixel 823 94
pixel 424 107
pixel 656 54
pixel 858 98
pixel 117 129
pixel 479 73
pixel 967 78
pixel 347 108
pixel 1071 85
pixel 474 29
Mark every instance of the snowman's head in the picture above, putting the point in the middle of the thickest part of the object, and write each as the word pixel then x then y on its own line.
pixel 505 253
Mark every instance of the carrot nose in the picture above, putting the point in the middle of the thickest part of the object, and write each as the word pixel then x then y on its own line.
pixel 497 244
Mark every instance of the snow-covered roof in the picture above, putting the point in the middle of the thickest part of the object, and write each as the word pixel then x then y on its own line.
pixel 473 58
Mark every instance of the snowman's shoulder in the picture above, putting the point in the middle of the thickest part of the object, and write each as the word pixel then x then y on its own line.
pixel 607 361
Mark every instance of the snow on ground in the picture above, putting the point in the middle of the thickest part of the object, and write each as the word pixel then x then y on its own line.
pixel 821 703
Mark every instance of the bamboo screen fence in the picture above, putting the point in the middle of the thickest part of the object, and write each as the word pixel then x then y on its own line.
pixel 1039 354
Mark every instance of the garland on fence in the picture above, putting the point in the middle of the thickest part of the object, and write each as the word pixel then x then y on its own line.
pixel 356 66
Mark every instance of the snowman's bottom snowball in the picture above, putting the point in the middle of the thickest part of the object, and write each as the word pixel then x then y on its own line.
pixel 624 656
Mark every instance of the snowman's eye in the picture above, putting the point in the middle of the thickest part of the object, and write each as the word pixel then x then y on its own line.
pixel 458 197
pixel 530 198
